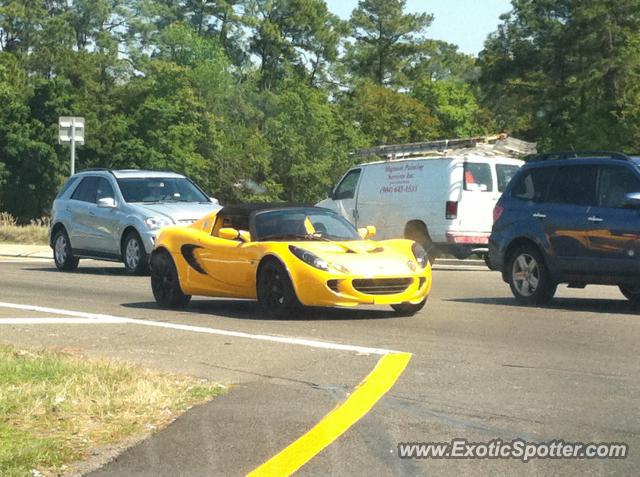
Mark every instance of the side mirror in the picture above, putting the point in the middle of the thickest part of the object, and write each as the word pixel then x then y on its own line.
pixel 367 232
pixel 213 200
pixel 330 192
pixel 228 233
pixel 107 203
pixel 632 200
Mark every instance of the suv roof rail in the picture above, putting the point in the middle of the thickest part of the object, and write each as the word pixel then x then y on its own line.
pixel 498 143
pixel 561 155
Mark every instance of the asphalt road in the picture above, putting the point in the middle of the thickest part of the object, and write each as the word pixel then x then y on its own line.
pixel 482 368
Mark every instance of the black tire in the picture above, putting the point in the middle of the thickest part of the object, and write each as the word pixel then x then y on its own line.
pixel 528 277
pixel 418 233
pixel 165 282
pixel 631 293
pixel 408 309
pixel 487 261
pixel 134 256
pixel 62 253
pixel 276 296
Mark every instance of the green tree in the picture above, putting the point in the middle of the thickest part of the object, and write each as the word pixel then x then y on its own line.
pixel 565 73
pixel 386 40
pixel 389 117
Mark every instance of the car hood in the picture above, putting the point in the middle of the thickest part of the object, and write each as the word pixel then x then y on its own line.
pixel 182 213
pixel 365 258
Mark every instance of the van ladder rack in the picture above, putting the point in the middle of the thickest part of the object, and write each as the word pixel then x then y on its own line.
pixel 498 143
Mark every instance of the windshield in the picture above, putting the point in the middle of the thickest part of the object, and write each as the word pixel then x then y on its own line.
pixel 303 224
pixel 173 189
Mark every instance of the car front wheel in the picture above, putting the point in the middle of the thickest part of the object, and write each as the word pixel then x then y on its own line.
pixel 62 253
pixel 165 282
pixel 134 255
pixel 529 277
pixel 276 295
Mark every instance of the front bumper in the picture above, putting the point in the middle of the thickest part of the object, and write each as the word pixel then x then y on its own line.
pixel 326 289
pixel 149 239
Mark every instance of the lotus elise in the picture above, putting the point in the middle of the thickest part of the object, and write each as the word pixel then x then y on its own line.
pixel 287 257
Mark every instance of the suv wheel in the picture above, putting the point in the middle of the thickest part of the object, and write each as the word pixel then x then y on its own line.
pixel 529 277
pixel 134 255
pixel 632 293
pixel 62 254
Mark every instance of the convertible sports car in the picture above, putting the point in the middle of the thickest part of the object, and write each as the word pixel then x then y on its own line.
pixel 287 256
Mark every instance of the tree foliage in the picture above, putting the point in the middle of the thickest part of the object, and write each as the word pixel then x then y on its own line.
pixel 254 99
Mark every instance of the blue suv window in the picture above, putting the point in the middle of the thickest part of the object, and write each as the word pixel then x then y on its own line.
pixel 533 184
pixel 614 183
pixel 574 185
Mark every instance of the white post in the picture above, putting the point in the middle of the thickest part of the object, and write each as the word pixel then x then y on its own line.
pixel 73 146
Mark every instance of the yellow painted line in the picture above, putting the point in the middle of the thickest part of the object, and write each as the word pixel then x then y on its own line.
pixel 338 421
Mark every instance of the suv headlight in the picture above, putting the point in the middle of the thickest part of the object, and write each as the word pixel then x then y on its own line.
pixel 309 258
pixel 155 223
pixel 420 254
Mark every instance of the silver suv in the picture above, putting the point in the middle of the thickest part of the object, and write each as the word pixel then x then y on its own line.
pixel 115 215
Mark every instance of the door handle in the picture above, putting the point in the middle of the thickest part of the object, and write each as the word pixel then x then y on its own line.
pixel 538 215
pixel 593 218
pixel 92 214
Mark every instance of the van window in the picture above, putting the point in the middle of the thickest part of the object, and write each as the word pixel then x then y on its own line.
pixel 574 185
pixel 347 187
pixel 533 184
pixel 477 176
pixel 505 173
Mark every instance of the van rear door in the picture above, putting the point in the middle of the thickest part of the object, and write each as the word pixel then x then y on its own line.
pixel 479 196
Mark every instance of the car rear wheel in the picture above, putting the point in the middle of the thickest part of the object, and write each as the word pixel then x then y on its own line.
pixel 276 296
pixel 408 309
pixel 62 253
pixel 529 277
pixel 632 293
pixel 165 282
pixel 134 255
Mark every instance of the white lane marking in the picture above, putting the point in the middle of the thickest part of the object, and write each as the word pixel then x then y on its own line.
pixel 93 318
pixel 58 321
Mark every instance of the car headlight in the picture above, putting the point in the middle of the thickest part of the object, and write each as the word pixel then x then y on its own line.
pixel 420 254
pixel 309 258
pixel 155 223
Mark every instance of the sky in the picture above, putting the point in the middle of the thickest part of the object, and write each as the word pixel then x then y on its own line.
pixel 465 23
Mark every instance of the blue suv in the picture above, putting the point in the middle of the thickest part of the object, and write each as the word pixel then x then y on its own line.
pixel 569 218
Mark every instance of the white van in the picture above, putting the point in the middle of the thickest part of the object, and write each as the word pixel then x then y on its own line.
pixel 444 202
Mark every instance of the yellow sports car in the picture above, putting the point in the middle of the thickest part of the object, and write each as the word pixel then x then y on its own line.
pixel 287 256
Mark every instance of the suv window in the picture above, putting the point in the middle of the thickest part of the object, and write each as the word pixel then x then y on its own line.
pixel 505 173
pixel 533 184
pixel 86 191
pixel 104 190
pixel 67 186
pixel 477 176
pixel 347 188
pixel 614 183
pixel 573 185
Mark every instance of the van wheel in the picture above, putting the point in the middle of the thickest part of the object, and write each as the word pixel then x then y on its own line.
pixel 408 309
pixel 165 282
pixel 529 278
pixel 632 293
pixel 62 253
pixel 134 256
pixel 418 233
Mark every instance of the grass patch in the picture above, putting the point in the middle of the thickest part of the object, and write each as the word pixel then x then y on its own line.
pixel 35 232
pixel 55 407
